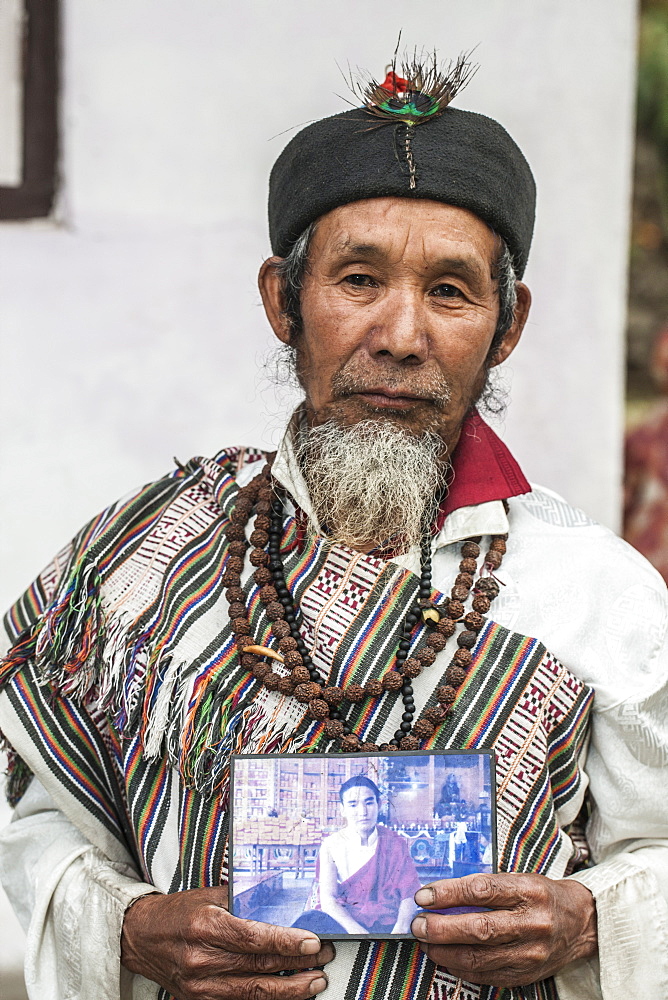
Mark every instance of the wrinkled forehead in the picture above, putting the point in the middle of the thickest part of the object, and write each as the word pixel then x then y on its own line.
pixel 421 233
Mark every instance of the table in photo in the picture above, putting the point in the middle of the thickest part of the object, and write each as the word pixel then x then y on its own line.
pixel 300 860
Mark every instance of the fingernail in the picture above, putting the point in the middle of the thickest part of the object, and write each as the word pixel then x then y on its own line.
pixel 424 896
pixel 419 927
pixel 318 985
pixel 309 946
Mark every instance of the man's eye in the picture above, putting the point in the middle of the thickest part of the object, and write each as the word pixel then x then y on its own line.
pixel 446 291
pixel 360 280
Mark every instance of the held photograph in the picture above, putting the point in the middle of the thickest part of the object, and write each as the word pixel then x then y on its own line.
pixel 339 845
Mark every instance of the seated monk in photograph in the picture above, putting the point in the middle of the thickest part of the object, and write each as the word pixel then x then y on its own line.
pixel 366 877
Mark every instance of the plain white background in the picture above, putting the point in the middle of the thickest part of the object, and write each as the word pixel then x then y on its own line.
pixel 131 327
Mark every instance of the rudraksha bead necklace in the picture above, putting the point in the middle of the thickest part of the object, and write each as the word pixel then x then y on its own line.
pixel 325 702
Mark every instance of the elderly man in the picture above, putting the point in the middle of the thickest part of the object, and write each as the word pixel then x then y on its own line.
pixel 387 580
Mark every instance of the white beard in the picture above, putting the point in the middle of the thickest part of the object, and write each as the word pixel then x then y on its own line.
pixel 372 482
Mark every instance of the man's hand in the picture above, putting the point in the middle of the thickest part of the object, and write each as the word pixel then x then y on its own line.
pixel 535 926
pixel 189 943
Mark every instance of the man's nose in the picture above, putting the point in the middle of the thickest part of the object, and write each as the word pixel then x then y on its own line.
pixel 400 330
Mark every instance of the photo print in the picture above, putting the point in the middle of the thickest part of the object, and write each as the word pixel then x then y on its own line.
pixel 339 844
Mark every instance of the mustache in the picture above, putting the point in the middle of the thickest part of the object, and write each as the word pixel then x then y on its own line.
pixel 431 387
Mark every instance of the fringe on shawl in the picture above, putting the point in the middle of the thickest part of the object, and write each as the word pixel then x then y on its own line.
pixel 18 775
pixel 84 657
pixel 19 654
pixel 141 688
pixel 79 656
pixel 215 728
pixel 65 642
pixel 197 734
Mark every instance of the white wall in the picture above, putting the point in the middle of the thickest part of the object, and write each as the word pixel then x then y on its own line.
pixel 132 330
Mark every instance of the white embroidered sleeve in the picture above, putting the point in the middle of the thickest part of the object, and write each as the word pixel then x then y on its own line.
pixel 628 837
pixel 70 900
pixel 632 930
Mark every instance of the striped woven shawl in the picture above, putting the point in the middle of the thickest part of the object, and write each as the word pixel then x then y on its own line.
pixel 126 688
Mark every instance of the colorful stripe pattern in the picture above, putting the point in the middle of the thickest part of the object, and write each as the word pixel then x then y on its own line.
pixel 390 969
pixel 71 747
pixel 137 717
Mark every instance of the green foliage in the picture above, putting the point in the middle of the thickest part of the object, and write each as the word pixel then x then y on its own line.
pixel 653 76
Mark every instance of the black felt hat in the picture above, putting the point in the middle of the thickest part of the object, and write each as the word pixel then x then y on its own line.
pixel 459 157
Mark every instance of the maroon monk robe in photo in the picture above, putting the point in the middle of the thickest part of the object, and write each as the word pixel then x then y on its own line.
pixel 372 895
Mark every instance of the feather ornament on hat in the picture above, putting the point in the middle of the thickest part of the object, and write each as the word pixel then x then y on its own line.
pixel 422 91
pixel 431 150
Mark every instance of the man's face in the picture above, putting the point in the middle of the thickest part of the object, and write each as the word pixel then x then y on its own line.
pixel 360 809
pixel 399 311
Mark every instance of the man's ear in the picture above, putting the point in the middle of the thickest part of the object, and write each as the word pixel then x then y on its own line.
pixel 512 337
pixel 271 289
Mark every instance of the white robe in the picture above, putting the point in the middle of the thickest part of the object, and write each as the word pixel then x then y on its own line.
pixel 599 607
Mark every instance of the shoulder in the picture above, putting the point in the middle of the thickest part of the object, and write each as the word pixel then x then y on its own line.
pixel 390 838
pixel 544 517
pixel 395 850
pixel 140 533
pixel 594 601
pixel 546 512
pixel 199 486
pixel 149 534
pixel 332 842
pixel 385 832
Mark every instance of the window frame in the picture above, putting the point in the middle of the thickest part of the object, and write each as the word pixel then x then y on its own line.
pixel 34 197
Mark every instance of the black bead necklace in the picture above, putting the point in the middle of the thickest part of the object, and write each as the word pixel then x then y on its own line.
pixel 293 615
pixel 299 678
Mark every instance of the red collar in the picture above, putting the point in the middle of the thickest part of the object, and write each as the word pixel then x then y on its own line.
pixel 483 467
